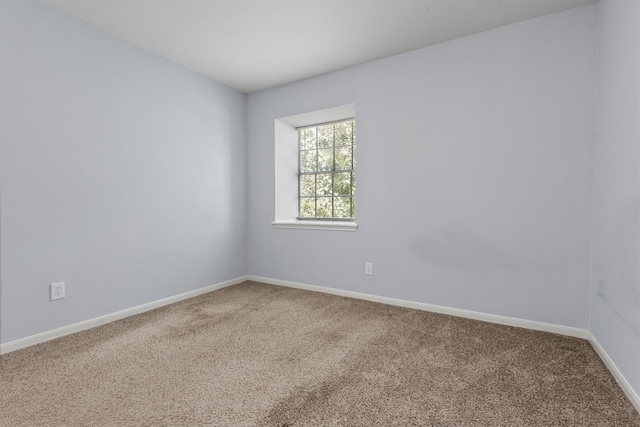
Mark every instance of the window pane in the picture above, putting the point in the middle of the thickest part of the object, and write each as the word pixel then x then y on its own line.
pixel 307 185
pixel 342 207
pixel 308 161
pixel 324 207
pixel 342 183
pixel 353 207
pixel 325 136
pixel 325 159
pixel 307 207
pixel 343 158
pixel 324 184
pixel 343 133
pixel 308 138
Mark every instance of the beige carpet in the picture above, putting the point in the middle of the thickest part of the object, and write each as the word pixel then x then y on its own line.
pixel 261 355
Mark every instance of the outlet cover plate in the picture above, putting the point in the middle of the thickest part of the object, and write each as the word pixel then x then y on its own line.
pixel 57 291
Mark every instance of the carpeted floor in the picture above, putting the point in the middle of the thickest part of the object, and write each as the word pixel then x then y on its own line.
pixel 261 355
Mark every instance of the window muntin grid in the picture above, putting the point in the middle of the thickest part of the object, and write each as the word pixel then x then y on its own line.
pixel 326 171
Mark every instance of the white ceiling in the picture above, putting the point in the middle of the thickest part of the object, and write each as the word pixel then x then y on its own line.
pixel 251 45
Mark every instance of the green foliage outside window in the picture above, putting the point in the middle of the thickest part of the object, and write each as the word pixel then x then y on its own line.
pixel 326 179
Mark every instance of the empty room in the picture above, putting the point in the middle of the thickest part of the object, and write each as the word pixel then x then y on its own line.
pixel 320 213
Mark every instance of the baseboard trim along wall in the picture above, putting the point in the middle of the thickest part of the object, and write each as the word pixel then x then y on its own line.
pixel 476 315
pixel 92 323
pixel 502 320
pixel 622 381
pixel 485 317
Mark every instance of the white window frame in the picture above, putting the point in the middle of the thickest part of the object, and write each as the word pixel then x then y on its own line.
pixel 286 168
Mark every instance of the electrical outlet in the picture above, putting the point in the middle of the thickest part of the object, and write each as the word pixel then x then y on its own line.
pixel 368 268
pixel 57 291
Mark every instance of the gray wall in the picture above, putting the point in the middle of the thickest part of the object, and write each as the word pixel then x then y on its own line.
pixel 121 174
pixel 615 289
pixel 474 174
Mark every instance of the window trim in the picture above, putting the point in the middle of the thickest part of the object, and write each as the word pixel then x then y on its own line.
pixel 312 224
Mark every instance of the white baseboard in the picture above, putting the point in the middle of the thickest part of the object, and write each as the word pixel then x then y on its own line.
pixel 502 320
pixel 476 315
pixel 622 381
pixel 92 323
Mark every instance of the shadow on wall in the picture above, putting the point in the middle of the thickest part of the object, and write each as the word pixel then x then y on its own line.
pixel 457 247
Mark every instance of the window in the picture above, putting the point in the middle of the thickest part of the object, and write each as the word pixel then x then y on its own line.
pixel 326 171
pixel 315 189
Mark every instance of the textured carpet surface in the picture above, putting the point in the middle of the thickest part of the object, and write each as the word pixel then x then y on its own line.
pixel 260 355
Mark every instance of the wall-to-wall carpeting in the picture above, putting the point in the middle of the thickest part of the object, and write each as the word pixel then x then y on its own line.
pixel 262 355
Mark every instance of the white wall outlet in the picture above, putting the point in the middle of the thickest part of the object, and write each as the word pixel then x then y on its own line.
pixel 368 268
pixel 57 291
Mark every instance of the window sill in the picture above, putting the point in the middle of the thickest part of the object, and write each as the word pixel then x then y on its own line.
pixel 317 225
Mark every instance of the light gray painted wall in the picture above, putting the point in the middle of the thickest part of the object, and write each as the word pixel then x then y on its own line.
pixel 121 174
pixel 474 174
pixel 615 293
